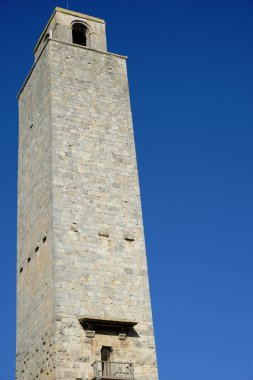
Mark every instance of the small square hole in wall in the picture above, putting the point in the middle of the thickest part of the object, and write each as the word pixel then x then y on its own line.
pixel 21 270
pixel 74 227
pixel 129 237
pixel 44 239
pixel 31 126
pixel 37 248
pixel 103 233
pixel 29 259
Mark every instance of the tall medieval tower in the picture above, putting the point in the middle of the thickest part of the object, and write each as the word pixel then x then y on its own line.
pixel 83 305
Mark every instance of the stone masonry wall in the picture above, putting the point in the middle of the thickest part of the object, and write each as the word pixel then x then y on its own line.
pixel 35 289
pixel 81 250
pixel 100 259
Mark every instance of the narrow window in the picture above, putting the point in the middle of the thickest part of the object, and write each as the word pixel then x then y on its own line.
pixel 105 359
pixel 79 34
pixel 105 354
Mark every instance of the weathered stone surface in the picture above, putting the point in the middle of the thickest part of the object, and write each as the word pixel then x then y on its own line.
pixel 78 186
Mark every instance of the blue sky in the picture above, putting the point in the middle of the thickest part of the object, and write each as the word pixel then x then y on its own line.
pixel 190 72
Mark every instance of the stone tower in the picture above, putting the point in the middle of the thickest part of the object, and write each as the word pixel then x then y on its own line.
pixel 83 305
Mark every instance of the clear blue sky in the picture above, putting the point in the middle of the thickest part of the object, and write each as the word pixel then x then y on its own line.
pixel 191 74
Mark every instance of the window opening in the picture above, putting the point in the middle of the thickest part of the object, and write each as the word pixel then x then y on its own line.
pixel 105 361
pixel 79 34
pixel 105 354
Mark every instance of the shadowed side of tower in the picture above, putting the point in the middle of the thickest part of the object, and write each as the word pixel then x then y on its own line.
pixel 83 296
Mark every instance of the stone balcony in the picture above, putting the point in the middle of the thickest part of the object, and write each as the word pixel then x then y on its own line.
pixel 113 371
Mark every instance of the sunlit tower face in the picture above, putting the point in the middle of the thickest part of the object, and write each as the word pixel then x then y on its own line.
pixel 83 309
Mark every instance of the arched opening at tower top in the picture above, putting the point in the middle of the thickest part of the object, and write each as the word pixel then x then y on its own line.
pixel 80 34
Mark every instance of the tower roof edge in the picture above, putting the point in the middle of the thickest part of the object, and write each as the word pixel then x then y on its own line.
pixel 79 14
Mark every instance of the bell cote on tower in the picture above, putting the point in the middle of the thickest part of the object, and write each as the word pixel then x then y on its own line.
pixel 73 28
